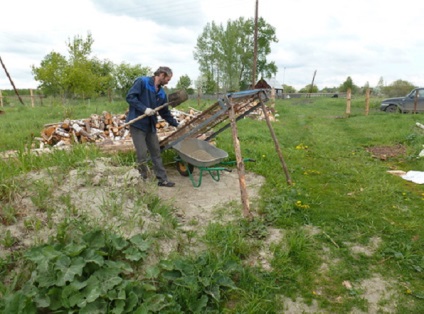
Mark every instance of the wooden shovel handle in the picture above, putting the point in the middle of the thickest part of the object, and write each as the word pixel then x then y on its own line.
pixel 144 115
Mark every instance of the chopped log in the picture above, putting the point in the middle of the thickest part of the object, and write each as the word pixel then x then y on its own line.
pixel 66 125
pixel 87 125
pixel 106 128
pixel 62 132
pixel 80 131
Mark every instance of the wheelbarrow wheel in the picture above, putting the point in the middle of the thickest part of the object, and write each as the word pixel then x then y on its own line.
pixel 184 169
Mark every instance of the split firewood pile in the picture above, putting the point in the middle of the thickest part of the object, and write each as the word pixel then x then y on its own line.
pixel 258 114
pixel 102 129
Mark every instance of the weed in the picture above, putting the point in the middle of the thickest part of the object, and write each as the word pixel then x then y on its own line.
pixel 8 215
pixel 227 240
pixel 8 240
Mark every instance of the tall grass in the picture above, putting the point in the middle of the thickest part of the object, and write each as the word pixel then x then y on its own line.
pixel 341 197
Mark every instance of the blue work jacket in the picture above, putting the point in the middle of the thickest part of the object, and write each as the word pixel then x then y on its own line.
pixel 143 95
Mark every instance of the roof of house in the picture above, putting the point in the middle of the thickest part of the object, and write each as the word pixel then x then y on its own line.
pixel 272 82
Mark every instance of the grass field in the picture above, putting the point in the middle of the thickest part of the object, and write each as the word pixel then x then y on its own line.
pixel 348 236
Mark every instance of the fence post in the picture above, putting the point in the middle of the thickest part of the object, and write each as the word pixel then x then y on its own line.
pixel 32 97
pixel 348 98
pixel 1 99
pixel 367 101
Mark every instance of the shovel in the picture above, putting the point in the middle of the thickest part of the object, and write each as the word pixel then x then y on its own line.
pixel 175 99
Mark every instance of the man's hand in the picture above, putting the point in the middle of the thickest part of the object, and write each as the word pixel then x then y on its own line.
pixel 149 112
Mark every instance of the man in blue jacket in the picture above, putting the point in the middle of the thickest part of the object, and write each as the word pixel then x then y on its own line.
pixel 145 95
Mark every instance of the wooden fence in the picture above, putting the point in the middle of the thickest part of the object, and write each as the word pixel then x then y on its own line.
pixel 12 99
pixel 34 99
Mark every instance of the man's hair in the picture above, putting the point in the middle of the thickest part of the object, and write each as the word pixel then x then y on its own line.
pixel 166 70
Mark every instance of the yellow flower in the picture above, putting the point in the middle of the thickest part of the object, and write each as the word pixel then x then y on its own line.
pixel 299 204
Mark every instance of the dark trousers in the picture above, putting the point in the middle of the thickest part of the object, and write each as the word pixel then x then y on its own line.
pixel 145 143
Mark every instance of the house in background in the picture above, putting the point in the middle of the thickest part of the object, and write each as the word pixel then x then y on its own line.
pixel 269 83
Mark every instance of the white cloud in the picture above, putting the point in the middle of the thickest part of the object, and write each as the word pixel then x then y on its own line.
pixel 363 39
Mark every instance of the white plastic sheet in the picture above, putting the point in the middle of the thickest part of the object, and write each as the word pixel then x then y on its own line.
pixel 414 176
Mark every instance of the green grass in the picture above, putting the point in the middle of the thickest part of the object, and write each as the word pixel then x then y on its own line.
pixel 339 190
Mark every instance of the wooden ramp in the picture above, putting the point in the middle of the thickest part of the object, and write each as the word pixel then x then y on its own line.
pixel 244 103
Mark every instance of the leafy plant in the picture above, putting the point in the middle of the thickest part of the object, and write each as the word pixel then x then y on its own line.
pixel 199 284
pixel 87 276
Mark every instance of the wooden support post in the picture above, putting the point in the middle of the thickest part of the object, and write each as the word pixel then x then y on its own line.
pixel 11 82
pixel 32 97
pixel 240 164
pixel 277 145
pixel 1 99
pixel 367 101
pixel 348 99
pixel 272 98
pixel 312 84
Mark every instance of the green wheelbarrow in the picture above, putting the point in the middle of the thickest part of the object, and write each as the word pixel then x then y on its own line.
pixel 207 158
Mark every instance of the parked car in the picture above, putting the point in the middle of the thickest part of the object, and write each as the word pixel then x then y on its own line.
pixel 404 104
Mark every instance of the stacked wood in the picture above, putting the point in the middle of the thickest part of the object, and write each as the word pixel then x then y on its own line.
pixel 105 129
pixel 259 114
pixel 102 129
pixel 94 129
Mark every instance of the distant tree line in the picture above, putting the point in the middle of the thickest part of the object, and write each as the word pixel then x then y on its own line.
pixel 395 89
pixel 225 58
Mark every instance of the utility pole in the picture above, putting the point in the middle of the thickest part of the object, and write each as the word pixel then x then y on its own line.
pixel 11 82
pixel 255 48
pixel 312 84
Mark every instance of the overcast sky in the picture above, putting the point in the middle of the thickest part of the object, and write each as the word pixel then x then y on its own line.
pixel 363 39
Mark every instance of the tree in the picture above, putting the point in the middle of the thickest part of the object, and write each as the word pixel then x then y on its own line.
pixel 226 54
pixel 398 88
pixel 288 89
pixel 79 75
pixel 124 75
pixel 308 89
pixel 51 74
pixel 379 89
pixel 206 84
pixel 329 90
pixel 103 70
pixel 184 83
pixel 348 84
